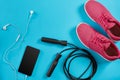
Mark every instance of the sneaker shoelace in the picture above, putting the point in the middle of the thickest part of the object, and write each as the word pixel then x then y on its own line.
pixel 104 19
pixel 99 41
pixel 113 21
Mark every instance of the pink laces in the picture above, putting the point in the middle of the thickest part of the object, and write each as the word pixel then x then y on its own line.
pixel 99 41
pixel 113 21
pixel 105 19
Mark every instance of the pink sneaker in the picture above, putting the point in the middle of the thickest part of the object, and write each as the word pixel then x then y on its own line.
pixel 99 14
pixel 97 42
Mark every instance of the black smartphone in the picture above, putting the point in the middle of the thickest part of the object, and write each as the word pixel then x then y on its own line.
pixel 29 60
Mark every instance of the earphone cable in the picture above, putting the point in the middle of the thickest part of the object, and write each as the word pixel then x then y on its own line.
pixel 25 78
pixel 11 48
pixel 5 59
pixel 28 23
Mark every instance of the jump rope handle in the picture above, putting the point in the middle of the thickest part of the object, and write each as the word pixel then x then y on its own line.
pixel 58 56
pixel 53 65
pixel 54 41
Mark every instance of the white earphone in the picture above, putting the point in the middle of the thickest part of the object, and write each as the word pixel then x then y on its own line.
pixel 6 27
pixel 31 12
pixel 5 58
pixel 14 43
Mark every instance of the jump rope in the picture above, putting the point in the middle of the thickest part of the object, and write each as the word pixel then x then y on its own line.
pixel 11 47
pixel 76 52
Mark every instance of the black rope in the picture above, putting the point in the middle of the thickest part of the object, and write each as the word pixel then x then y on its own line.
pixel 78 52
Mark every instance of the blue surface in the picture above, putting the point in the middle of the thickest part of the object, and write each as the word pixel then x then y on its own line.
pixel 53 18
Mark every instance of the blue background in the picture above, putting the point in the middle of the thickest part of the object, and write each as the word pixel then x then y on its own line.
pixel 56 19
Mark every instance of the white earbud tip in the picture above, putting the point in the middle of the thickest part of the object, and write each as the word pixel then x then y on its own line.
pixel 31 11
pixel 4 28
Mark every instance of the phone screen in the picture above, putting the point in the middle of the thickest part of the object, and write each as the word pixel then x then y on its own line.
pixel 29 60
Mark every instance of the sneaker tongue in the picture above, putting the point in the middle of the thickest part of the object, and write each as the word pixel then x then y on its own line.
pixel 107 45
pixel 111 25
pixel 115 30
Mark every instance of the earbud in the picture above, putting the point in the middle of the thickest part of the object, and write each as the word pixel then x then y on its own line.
pixel 31 13
pixel 5 27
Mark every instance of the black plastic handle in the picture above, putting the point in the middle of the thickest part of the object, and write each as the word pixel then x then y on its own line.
pixel 54 41
pixel 53 65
